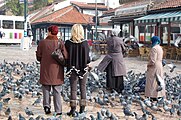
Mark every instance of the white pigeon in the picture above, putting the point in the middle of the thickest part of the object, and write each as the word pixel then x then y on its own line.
pixel 171 66
pixel 160 80
pixel 177 41
pixel 94 75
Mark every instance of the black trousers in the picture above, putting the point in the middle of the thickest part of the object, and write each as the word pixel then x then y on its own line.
pixel 114 82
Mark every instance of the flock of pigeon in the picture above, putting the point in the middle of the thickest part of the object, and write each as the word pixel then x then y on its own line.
pixel 97 95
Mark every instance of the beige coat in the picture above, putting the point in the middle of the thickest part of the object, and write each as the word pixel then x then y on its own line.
pixel 154 67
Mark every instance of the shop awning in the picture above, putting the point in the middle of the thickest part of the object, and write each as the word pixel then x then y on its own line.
pixel 160 17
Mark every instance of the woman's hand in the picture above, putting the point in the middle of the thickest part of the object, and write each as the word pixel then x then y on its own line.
pixel 89 67
pixel 148 66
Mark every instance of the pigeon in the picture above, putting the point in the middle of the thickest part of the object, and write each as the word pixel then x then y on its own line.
pixel 28 112
pixel 99 116
pixel 164 62
pixel 94 75
pixel 179 112
pixel 31 118
pixel 147 102
pixel 153 117
pixel 171 66
pixel 127 111
pixel 92 117
pixel 165 107
pixel 177 41
pixel 172 110
pixel 113 117
pixel 160 82
pixel 38 117
pixel 6 100
pixel 108 113
pixel 10 118
pixel 8 111
pixel 37 101
pixel 143 117
pixel 21 117
pixel 1 106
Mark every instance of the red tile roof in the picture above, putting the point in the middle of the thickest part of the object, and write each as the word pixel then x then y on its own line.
pixel 67 15
pixel 88 6
pixel 44 11
pixel 167 4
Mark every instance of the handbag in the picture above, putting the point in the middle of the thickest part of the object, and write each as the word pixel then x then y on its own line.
pixel 58 56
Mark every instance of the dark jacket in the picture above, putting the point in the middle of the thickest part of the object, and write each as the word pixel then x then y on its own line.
pixel 78 56
pixel 115 47
pixel 51 73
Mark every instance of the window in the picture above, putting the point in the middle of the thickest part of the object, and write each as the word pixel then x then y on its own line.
pixel 66 33
pixel 141 33
pixel 175 29
pixel 19 25
pixel 141 29
pixel 149 29
pixel 7 24
pixel 38 34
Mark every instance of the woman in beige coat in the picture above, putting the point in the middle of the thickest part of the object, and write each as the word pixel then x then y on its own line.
pixel 154 67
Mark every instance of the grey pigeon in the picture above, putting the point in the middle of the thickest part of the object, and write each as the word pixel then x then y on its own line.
pixel 1 106
pixel 37 101
pixel 92 117
pixel 28 112
pixel 21 117
pixel 31 118
pixel 6 100
pixel 38 117
pixel 10 118
pixel 127 111
pixel 8 111
pixel 99 116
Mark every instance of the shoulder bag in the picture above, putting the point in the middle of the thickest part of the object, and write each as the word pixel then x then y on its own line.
pixel 58 56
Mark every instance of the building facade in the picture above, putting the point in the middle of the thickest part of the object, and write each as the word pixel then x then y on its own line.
pixel 65 17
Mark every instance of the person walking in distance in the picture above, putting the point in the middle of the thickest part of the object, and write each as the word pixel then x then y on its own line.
pixel 51 73
pixel 77 66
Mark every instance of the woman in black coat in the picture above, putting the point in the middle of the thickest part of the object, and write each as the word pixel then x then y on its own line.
pixel 77 66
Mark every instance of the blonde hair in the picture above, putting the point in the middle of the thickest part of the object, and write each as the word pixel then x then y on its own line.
pixel 77 33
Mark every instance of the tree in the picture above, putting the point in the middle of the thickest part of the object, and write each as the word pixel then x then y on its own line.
pixel 15 7
pixel 37 4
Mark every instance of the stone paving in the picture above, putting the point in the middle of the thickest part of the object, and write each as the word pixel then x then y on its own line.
pixel 14 53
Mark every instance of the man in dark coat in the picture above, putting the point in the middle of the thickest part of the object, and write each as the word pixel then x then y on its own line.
pixel 51 73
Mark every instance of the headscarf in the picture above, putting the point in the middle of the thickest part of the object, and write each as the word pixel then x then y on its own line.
pixel 155 40
pixel 53 29
pixel 115 32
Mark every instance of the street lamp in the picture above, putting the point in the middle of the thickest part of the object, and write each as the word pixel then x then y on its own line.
pixel 96 17
pixel 25 23
pixel 25 41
